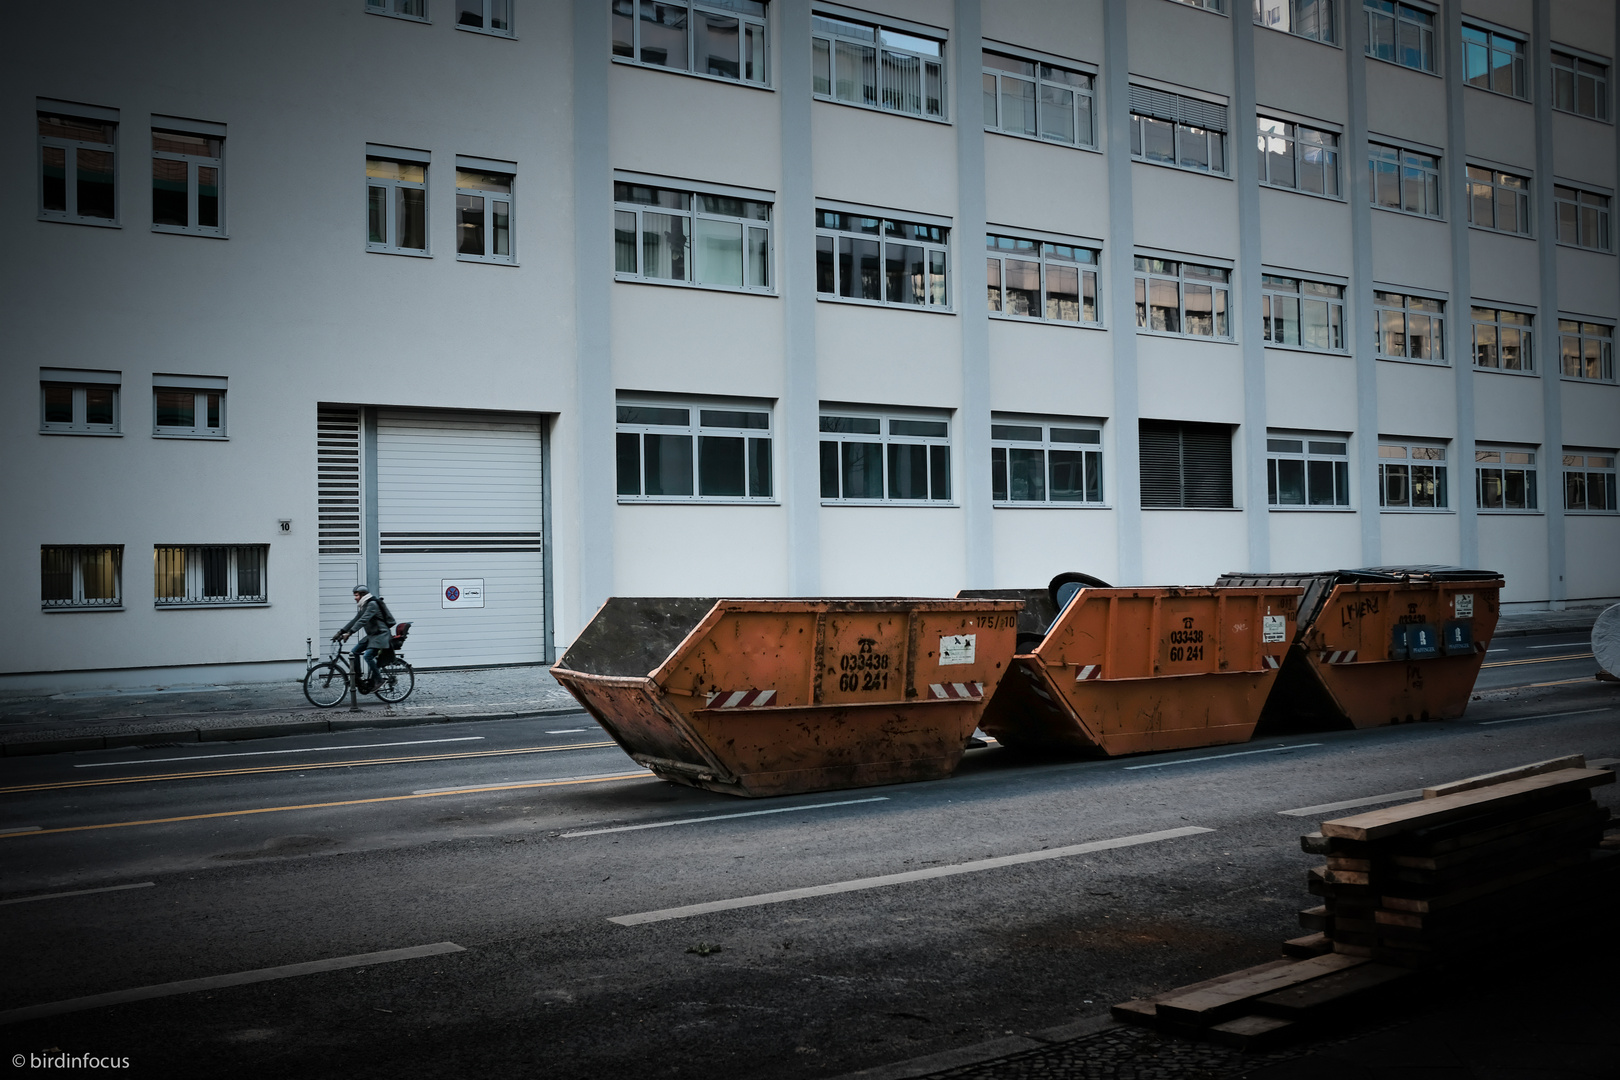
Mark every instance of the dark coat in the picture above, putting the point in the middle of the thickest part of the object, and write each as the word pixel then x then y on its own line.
pixel 369 618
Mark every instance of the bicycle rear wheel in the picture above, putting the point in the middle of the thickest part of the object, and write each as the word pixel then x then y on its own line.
pixel 395 681
pixel 326 684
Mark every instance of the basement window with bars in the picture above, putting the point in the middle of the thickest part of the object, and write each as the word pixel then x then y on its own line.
pixel 213 575
pixel 1185 466
pixel 81 577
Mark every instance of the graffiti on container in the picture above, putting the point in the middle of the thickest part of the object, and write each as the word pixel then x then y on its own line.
pixel 1355 609
pixel 866 669
pixel 1186 643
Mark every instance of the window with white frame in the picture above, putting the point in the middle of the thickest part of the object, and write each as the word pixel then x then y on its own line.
pixel 400 9
pixel 1185 466
pixel 668 236
pixel 485 16
pixel 1307 469
pixel 78 402
pixel 1494 61
pixel 77 178
pixel 881 259
pixel 1409 327
pixel 1406 180
pixel 81 577
pixel 211 575
pixel 1302 313
pixel 1038 279
pixel 877 66
pixel 396 205
pixel 1498 200
pixel 1298 157
pixel 1586 350
pixel 1412 476
pixel 1038 100
pixel 1172 129
pixel 724 39
pixel 1583 217
pixel 1183 298
pixel 188 179
pixel 1314 19
pixel 483 214
pixel 1207 5
pixel 1502 339
pixel 1580 85
pixel 873 456
pixel 693 452
pixel 1589 480
pixel 188 406
pixel 1504 478
pixel 1045 463
pixel 1401 34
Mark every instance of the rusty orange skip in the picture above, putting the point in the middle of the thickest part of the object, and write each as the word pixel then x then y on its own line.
pixel 772 697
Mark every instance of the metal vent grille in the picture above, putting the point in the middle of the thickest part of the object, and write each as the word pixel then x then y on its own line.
pixel 337 434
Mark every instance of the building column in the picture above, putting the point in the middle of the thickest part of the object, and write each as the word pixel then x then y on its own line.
pixel 1360 307
pixel 973 488
pixel 1250 331
pixel 800 408
pixel 1126 447
pixel 1461 337
pixel 1552 401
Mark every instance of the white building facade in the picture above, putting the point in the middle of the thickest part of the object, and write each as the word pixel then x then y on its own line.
pixel 506 306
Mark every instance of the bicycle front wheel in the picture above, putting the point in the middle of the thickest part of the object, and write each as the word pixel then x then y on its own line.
pixel 325 685
pixel 395 681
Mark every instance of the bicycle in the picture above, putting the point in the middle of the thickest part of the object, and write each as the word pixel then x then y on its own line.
pixel 327 683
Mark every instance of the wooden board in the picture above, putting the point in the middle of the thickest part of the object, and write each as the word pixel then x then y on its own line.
pixel 1577 821
pixel 1571 761
pixel 1144 1010
pixel 1396 820
pixel 1252 1032
pixel 1332 990
pixel 1213 1004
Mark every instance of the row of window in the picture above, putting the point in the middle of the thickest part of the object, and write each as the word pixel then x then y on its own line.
pixel 79 577
pixel 89 403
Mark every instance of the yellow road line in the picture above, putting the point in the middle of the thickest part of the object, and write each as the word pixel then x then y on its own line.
pixel 262 769
pixel 321 806
pixel 1561 682
pixel 1539 660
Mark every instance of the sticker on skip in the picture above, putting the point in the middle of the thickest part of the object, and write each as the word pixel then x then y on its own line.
pixel 1464 605
pixel 1273 628
pixel 956 648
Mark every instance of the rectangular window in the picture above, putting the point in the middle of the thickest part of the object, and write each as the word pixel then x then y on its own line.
pixel 1407 180
pixel 881 457
pixel 724 39
pixel 1589 481
pixel 666 236
pixel 1502 340
pixel 483 215
pixel 188 177
pixel 191 406
pixel 1586 350
pixel 1035 279
pixel 1183 298
pixel 1298 157
pixel 1057 463
pixel 79 577
pixel 1307 470
pixel 485 16
pixel 1185 466
pixel 396 206
pixel 1314 19
pixel 1027 97
pixel 1305 314
pixel 1412 476
pixel 1409 327
pixel 77 180
pixel 1401 34
pixel 1207 5
pixel 693 452
pixel 400 9
pixel 1580 86
pixel 210 576
pixel 1498 200
pixel 877 67
pixel 1504 479
pixel 1583 218
pixel 881 259
pixel 78 402
pixel 1184 132
pixel 1494 61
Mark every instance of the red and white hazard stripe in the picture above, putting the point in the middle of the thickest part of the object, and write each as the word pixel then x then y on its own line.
pixel 740 699
pixel 1340 656
pixel 1270 663
pixel 1089 672
pixel 953 691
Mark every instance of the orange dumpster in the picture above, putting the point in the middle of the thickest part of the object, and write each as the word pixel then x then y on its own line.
pixel 1122 671
pixel 773 697
pixel 1381 645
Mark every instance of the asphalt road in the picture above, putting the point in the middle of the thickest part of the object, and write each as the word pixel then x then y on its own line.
pixel 512 846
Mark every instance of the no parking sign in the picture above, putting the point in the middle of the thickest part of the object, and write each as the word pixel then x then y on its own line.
pixel 461 593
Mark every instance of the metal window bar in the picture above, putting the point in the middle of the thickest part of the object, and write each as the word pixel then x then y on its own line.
pixel 212 574
pixel 81 576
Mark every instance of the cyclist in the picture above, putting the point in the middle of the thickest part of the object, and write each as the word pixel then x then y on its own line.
pixel 374 628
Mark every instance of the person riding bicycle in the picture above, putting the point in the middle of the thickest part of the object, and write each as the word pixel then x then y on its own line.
pixel 371 620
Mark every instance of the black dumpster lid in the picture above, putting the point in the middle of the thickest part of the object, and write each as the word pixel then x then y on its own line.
pixel 1418 571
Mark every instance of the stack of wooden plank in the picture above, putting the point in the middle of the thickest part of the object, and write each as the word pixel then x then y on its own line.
pixel 1484 859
